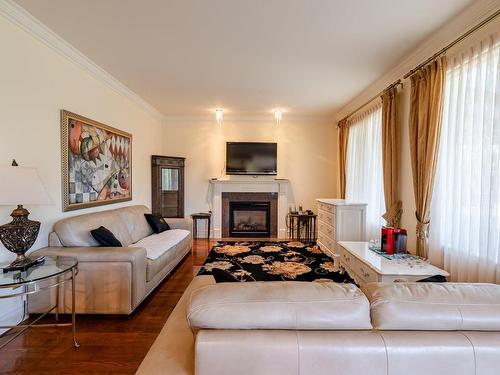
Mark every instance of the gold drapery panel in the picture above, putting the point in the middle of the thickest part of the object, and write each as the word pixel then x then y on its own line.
pixel 343 137
pixel 426 107
pixel 390 156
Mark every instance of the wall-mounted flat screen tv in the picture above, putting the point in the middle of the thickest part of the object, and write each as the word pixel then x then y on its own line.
pixel 254 158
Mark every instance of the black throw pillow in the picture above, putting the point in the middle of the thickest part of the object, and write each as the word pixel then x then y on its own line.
pixel 223 276
pixel 157 223
pixel 433 279
pixel 105 237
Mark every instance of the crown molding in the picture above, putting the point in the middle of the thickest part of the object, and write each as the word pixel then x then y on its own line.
pixel 465 20
pixel 23 19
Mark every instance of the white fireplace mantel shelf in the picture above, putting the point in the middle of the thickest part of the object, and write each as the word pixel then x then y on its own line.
pixel 249 181
pixel 251 185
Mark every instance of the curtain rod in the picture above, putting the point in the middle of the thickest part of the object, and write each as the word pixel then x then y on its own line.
pixel 398 82
pixel 456 41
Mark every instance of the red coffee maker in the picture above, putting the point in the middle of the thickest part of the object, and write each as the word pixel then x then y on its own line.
pixel 393 240
pixel 400 236
pixel 387 242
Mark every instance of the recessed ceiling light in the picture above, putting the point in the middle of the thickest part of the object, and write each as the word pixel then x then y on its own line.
pixel 219 114
pixel 277 116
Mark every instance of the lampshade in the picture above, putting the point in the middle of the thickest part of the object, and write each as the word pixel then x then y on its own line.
pixel 21 185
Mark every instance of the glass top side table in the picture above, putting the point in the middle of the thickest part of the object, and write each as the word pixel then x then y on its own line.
pixel 52 273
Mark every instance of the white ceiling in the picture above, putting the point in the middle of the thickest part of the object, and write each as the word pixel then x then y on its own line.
pixel 187 57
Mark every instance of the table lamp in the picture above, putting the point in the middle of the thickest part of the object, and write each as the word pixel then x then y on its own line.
pixel 20 185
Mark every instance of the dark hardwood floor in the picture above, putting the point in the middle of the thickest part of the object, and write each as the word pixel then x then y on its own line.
pixel 109 344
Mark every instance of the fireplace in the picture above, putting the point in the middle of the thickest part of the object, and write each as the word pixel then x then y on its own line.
pixel 250 219
pixel 246 214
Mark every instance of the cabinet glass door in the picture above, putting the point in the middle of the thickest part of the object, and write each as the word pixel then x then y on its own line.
pixel 170 192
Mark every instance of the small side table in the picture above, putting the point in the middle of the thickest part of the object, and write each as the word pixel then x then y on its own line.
pixel 201 216
pixel 54 272
pixel 302 227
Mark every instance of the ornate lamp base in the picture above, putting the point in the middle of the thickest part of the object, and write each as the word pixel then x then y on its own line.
pixel 23 263
pixel 18 236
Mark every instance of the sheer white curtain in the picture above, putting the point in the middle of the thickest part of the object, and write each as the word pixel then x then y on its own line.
pixel 465 212
pixel 364 178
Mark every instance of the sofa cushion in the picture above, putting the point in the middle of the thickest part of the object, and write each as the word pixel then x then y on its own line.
pixel 170 257
pixel 75 230
pixel 137 226
pixel 163 248
pixel 279 305
pixel 431 306
pixel 157 244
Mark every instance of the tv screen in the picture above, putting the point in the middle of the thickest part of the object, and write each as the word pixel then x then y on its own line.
pixel 251 158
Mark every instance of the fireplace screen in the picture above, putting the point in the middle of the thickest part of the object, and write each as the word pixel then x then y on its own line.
pixel 249 219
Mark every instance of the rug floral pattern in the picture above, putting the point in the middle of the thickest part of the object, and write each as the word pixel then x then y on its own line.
pixel 273 261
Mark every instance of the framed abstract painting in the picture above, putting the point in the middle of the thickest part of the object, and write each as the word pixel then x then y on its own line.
pixel 96 163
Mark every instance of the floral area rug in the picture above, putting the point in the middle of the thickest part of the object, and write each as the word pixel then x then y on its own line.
pixel 273 261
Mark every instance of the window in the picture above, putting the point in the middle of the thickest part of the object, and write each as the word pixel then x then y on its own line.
pixel 465 211
pixel 364 177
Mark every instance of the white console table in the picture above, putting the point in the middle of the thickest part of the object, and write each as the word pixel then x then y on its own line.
pixel 366 266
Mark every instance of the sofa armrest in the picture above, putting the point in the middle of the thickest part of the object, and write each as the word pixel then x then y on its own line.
pixel 180 223
pixel 136 256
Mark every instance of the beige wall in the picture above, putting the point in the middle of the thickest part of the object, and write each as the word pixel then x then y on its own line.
pixel 35 83
pixel 306 154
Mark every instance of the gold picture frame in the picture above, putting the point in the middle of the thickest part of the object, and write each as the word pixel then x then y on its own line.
pixel 96 163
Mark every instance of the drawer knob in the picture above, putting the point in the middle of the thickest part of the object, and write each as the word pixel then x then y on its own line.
pixel 365 274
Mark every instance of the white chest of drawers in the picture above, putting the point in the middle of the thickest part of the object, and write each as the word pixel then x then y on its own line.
pixel 340 221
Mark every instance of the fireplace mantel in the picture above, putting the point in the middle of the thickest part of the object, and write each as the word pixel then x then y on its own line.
pixel 251 185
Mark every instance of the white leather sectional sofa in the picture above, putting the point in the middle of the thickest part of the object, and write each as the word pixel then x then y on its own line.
pixel 285 328
pixel 115 280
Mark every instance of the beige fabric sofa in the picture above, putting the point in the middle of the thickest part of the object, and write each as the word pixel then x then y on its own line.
pixel 326 328
pixel 115 280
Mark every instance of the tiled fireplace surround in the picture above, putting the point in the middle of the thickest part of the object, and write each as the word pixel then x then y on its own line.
pixel 275 191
